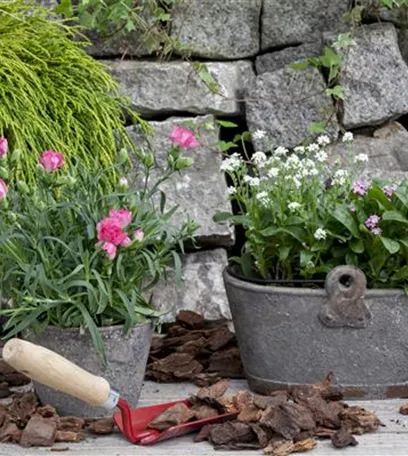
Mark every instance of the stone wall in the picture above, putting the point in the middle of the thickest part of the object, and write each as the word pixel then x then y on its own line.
pixel 246 46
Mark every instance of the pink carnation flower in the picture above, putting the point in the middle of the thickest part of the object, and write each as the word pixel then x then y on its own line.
pixel 3 189
pixel 110 230
pixel 123 215
pixel 184 138
pixel 372 222
pixel 51 160
pixel 3 147
pixel 110 249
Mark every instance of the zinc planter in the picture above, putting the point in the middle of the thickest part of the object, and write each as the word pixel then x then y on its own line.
pixel 295 336
pixel 125 369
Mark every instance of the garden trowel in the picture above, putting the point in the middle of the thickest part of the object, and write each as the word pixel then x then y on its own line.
pixel 50 369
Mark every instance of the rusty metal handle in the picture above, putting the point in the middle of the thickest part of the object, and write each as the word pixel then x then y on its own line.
pixel 345 305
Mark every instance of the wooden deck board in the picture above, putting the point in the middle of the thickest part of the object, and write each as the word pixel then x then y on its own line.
pixel 391 440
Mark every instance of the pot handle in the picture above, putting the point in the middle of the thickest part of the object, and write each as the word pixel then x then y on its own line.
pixel 345 305
pixel 47 367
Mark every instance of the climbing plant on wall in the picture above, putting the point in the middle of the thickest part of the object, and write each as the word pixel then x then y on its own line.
pixel 52 94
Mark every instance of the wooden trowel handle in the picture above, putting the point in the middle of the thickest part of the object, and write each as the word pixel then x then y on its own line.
pixel 46 367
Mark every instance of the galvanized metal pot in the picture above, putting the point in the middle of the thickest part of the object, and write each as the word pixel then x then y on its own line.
pixel 125 369
pixel 290 336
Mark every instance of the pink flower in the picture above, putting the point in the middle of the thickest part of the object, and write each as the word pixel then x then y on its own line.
pixel 3 147
pixel 123 215
pixel 3 189
pixel 184 138
pixel 377 231
pixel 126 242
pixel 51 160
pixel 110 249
pixel 110 231
pixel 139 235
pixel 388 190
pixel 359 188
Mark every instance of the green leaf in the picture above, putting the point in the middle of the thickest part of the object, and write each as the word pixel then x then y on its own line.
pixel 225 146
pixel 222 217
pixel 305 258
pixel 226 124
pixel 401 274
pixel 336 92
pixel 357 245
pixel 342 214
pixel 390 245
pixel 177 268
pixel 284 252
pixel 302 65
pixel 65 8
pixel 293 231
pixel 394 216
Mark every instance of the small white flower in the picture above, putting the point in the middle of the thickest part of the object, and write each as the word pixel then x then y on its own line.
pixel 340 177
pixel 297 182
pixel 255 181
pixel 348 137
pixel 252 181
pixel 321 156
pixel 259 158
pixel 293 160
pixel 320 234
pixel 273 172
pixel 299 150
pixel 293 206
pixel 281 151
pixel 313 147
pixel 361 158
pixel 323 140
pixel 258 134
pixel 231 163
pixel 231 190
pixel 263 197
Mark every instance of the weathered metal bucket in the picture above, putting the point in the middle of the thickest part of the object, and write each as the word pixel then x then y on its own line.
pixel 295 336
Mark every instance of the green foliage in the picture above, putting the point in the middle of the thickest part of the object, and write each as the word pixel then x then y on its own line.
pixel 110 18
pixel 303 216
pixel 53 95
pixel 53 267
pixel 391 4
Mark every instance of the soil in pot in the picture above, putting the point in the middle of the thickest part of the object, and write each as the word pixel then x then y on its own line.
pixel 124 370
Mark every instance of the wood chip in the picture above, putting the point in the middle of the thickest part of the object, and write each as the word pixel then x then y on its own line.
pixel 343 438
pixel 190 319
pixel 358 420
pixel 404 409
pixel 69 436
pixel 39 432
pixel 173 416
pixel 102 427
pixel 285 447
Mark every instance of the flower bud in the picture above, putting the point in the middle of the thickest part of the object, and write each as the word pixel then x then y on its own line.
pixel 3 147
pixel 123 183
pixel 148 160
pixel 183 162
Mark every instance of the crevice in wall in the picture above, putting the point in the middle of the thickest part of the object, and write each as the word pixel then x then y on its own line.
pixel 278 48
pixel 155 117
pixel 403 120
pixel 228 134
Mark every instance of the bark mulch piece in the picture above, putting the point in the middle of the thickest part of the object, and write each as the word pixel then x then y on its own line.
pixel 39 432
pixel 102 427
pixel 286 421
pixel 173 416
pixel 343 438
pixel 25 422
pixel 404 409
pixel 196 350
pixel 10 377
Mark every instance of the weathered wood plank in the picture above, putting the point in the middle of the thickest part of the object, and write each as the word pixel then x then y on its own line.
pixel 391 440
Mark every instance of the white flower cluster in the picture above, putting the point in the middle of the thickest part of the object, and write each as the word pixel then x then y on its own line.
pixel 294 206
pixel 258 134
pixel 252 181
pixel 231 163
pixel 320 234
pixel 348 137
pixel 259 158
pixel 361 158
pixel 263 198
pixel 340 177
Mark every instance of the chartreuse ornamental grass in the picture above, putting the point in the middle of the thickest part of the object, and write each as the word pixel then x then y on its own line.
pixel 52 94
